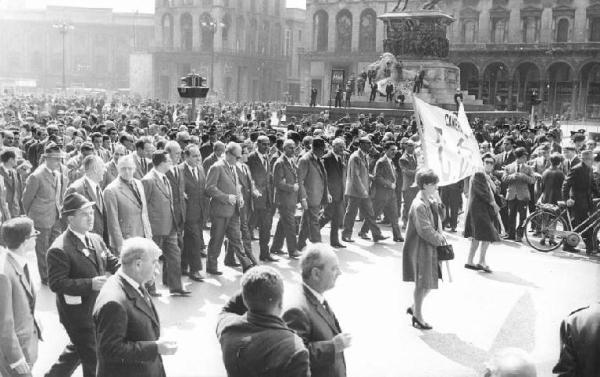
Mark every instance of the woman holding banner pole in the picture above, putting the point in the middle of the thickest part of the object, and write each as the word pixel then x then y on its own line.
pixel 423 236
pixel 482 222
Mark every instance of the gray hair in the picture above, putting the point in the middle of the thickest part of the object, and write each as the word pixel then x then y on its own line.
pixel 314 257
pixel 136 248
pixel 338 141
pixel 172 146
pixel 232 146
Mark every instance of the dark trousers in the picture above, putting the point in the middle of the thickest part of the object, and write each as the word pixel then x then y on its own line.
pixel 348 102
pixel 515 207
pixel 366 209
pixel 390 211
pixel 389 97
pixel 172 259
pixel 452 200
pixel 81 350
pixel 338 102
pixel 408 196
pixel 246 239
pixel 373 95
pixel 313 101
pixel 221 227
pixel 193 243
pixel 42 244
pixel 263 218
pixel 309 226
pixel 579 216
pixel 334 212
pixel 286 228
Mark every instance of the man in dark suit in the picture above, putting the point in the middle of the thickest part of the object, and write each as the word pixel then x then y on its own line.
pixel 335 168
pixel 194 181
pixel 207 148
pixel 384 186
pixel 218 150
pixel 161 213
pixel 285 182
pixel 78 262
pixel 313 190
pixel 143 150
pixel 260 168
pixel 313 97
pixel 126 322
pixel 578 190
pixel 357 192
pixel 12 182
pixel 389 92
pixel 19 333
pixel 89 187
pixel 309 314
pixel 254 339
pixel 580 341
pixel 111 171
pixel 506 157
pixel 408 165
pixel 223 188
pixel 42 199
pixel 177 185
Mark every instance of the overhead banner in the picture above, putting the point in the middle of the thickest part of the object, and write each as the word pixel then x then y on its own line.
pixel 448 145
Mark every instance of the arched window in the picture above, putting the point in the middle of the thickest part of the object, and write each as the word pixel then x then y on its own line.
pixel 226 26
pixel 321 30
pixel 207 31
pixel 366 42
pixel 240 31
pixel 343 28
pixel 167 30
pixel 562 30
pixel 468 32
pixel 187 35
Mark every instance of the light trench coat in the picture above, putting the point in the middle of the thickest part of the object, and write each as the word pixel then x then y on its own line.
pixel 419 254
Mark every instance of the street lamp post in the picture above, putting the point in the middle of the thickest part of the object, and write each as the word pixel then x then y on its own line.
pixel 63 28
pixel 211 26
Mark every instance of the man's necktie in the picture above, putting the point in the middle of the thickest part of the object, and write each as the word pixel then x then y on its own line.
pixel 26 273
pixel 167 185
pixel 144 165
pixel 99 199
pixel 135 191
pixel 57 194
pixel 330 312
pixel 195 173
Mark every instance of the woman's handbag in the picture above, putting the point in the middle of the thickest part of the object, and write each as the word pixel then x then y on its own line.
pixel 445 252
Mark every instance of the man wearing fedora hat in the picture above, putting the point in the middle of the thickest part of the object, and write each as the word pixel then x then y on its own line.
pixel 42 201
pixel 78 263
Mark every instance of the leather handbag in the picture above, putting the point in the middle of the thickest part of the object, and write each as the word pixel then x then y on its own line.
pixel 445 252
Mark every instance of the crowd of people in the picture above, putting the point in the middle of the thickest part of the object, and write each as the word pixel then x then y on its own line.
pixel 107 191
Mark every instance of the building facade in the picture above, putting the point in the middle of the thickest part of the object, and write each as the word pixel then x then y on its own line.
pixel 236 44
pixel 505 49
pixel 294 40
pixel 97 45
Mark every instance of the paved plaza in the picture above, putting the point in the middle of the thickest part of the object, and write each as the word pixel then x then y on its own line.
pixel 520 305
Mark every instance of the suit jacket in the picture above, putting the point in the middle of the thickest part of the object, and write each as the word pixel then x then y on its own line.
pixel 246 185
pixel 503 159
pixel 262 180
pixel 110 174
pixel 220 183
pixel 176 178
pixel 408 164
pixel 19 339
pixel 75 168
pixel 126 215
pixel 140 172
pixel 14 189
pixel 385 177
pixel 83 187
pixel 580 186
pixel 357 179
pixel 336 176
pixel 313 180
pixel 284 178
pixel 127 328
pixel 580 341
pixel 209 161
pixel 40 197
pixel 194 191
pixel 205 150
pixel 259 345
pixel 4 211
pixel 70 273
pixel 517 183
pixel 159 199
pixel 317 327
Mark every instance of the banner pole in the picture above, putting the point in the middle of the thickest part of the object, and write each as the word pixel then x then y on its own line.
pixel 420 129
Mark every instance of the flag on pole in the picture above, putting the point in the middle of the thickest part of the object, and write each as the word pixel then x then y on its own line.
pixel 448 144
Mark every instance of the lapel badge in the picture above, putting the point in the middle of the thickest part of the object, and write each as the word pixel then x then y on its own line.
pixel 86 252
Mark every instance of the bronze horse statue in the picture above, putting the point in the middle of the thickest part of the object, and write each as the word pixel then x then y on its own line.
pixel 428 5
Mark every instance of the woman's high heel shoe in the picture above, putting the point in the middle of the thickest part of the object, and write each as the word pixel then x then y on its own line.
pixel 420 325
pixel 409 310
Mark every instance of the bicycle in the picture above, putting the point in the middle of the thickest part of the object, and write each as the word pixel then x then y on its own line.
pixel 551 226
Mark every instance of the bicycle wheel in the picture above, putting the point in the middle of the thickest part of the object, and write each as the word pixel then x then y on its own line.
pixel 549 230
